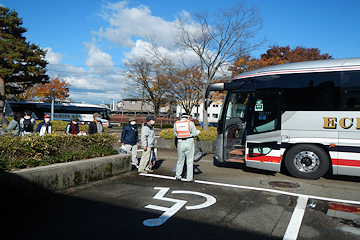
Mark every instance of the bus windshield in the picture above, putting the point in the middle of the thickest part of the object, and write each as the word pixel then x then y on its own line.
pixel 236 105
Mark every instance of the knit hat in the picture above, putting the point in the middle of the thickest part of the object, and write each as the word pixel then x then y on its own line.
pixel 149 118
pixel 132 119
pixel 96 115
pixel 185 115
pixel 75 119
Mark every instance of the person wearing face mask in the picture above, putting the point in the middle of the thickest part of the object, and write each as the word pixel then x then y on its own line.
pixel 147 144
pixel 44 127
pixel 72 127
pixel 130 139
pixel 96 125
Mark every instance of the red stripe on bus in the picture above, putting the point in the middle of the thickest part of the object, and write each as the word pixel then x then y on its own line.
pixel 343 208
pixel 335 162
pixel 297 71
pixel 346 162
pixel 264 158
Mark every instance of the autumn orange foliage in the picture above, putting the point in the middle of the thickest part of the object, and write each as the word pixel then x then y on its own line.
pixel 277 55
pixel 43 91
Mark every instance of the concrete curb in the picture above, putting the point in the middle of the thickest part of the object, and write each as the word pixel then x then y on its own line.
pixel 36 182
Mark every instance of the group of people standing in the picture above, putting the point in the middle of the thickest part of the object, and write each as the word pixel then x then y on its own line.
pixel 23 126
pixel 184 131
pixel 130 140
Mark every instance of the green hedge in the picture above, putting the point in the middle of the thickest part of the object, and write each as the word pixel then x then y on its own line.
pixel 34 150
pixel 204 135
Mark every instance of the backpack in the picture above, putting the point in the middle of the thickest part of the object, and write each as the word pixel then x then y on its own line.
pixel 28 126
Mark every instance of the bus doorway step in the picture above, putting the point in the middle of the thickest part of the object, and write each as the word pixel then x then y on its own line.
pixel 238 160
pixel 237 151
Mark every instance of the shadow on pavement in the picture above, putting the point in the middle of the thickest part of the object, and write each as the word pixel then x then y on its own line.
pixel 60 216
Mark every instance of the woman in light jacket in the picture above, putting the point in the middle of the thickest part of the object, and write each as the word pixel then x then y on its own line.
pixel 14 125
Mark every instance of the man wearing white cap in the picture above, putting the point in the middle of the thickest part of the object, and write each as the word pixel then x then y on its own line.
pixel 185 131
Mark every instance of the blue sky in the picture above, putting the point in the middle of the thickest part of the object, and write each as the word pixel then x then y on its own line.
pixel 88 40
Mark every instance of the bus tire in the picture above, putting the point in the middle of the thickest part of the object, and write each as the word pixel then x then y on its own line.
pixel 307 161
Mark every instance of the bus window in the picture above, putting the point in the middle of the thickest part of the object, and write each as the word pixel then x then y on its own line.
pixel 237 105
pixel 351 100
pixel 265 116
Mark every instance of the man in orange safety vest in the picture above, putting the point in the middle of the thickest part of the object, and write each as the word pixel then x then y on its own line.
pixel 185 131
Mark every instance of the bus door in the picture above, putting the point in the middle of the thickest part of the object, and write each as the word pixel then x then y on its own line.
pixel 263 131
pixel 234 126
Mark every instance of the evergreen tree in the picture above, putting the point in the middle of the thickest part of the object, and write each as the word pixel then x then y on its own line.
pixel 21 64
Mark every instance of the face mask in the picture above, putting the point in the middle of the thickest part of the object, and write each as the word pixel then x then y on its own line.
pixel 74 122
pixel 47 119
pixel 132 122
pixel 99 119
pixel 152 122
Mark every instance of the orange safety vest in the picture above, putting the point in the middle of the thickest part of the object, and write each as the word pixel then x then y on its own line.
pixel 182 129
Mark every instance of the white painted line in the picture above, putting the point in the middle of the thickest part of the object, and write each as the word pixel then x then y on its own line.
pixel 170 211
pixel 293 228
pixel 210 200
pixel 258 189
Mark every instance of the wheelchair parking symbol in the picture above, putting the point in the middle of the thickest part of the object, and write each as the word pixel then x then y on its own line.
pixel 170 211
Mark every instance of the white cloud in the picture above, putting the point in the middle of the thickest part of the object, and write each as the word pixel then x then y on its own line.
pixel 97 84
pixel 129 23
pixel 99 62
pixel 51 57
pixel 128 28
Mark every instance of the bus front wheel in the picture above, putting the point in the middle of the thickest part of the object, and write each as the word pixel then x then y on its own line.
pixel 307 161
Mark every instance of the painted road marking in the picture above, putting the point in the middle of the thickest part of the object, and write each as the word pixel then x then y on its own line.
pixel 293 228
pixel 169 212
pixel 210 200
pixel 258 189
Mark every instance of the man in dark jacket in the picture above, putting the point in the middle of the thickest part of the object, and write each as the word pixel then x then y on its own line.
pixel 44 127
pixel 130 139
pixel 96 125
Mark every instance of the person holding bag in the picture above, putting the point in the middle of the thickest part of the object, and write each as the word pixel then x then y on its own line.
pixel 130 140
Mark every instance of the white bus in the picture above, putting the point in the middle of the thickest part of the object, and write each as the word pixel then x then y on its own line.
pixel 302 116
pixel 62 111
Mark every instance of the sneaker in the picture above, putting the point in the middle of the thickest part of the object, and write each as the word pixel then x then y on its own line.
pixel 135 165
pixel 142 171
pixel 177 179
pixel 193 180
pixel 150 171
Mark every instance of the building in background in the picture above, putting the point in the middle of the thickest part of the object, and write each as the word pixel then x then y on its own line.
pixel 141 105
pixel 197 111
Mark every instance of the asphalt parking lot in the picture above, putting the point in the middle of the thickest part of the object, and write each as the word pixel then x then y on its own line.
pixel 216 206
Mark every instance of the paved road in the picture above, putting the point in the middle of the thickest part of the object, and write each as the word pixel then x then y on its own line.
pixel 224 203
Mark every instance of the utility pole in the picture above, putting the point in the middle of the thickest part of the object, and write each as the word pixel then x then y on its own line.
pixel 52 103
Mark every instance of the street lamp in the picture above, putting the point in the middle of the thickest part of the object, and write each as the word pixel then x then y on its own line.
pixel 52 103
